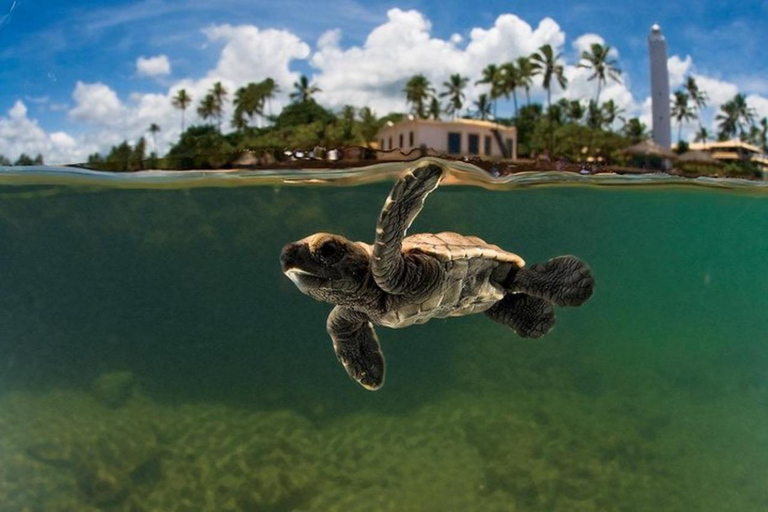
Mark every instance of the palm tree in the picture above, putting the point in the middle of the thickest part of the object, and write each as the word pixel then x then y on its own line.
pixel 207 107
pixel 764 133
pixel 304 90
pixel 602 67
pixel 454 90
pixel 483 107
pixel 418 91
pixel 525 76
pixel 745 112
pixel 182 101
pixel 728 120
pixel 369 123
pixel 681 111
pixel 219 94
pixel 510 81
pixel 702 135
pixel 611 112
pixel 546 63
pixel 735 113
pixel 635 130
pixel 267 90
pixel 492 76
pixel 595 116
pixel 697 96
pixel 154 129
pixel 434 109
pixel 575 111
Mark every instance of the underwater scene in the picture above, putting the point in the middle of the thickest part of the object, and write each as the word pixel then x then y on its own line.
pixel 153 356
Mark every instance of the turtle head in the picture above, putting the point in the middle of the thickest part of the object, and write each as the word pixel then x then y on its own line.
pixel 327 267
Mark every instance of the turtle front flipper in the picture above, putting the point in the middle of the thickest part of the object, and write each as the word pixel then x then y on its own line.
pixel 390 270
pixel 565 281
pixel 357 347
pixel 529 317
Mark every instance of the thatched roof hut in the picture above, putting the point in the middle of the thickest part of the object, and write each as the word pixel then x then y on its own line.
pixel 698 158
pixel 648 148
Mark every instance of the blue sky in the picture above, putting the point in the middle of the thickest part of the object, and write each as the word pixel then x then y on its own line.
pixel 48 47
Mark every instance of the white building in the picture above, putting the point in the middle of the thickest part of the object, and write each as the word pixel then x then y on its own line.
pixel 660 126
pixel 462 137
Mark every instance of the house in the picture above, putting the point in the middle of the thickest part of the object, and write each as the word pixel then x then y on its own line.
pixel 461 137
pixel 733 151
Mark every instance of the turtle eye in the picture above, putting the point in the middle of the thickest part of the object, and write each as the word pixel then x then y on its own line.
pixel 330 252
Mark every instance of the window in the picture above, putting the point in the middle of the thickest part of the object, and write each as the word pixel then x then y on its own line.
pixel 410 139
pixel 401 141
pixel 390 143
pixel 381 144
pixel 487 144
pixel 474 144
pixel 509 148
pixel 454 143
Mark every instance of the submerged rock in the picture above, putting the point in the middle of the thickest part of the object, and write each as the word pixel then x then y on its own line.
pixel 114 389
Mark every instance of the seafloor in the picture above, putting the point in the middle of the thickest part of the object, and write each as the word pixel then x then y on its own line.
pixel 153 358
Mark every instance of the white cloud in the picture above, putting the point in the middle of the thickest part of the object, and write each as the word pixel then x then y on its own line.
pixel 252 54
pixel 678 69
pixel 760 104
pixel 374 74
pixel 153 66
pixel 96 103
pixel 20 134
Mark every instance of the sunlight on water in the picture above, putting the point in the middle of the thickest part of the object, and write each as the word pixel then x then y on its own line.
pixel 154 357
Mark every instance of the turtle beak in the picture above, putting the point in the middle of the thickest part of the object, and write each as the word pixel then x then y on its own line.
pixel 289 256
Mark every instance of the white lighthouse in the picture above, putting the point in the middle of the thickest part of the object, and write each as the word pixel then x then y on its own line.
pixel 661 129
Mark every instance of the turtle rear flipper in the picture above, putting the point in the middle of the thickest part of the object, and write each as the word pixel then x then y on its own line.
pixel 565 281
pixel 357 347
pixel 529 317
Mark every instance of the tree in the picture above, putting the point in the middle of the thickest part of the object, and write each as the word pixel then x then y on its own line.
pixel 454 90
pixel 483 107
pixel 575 111
pixel 635 130
pixel 154 129
pixel 304 90
pixel 492 76
pixel 181 101
pixel 248 102
pixel 348 121
pixel 698 97
pixel 702 135
pixel 764 133
pixel 597 60
pixel 525 76
pixel 611 112
pixel 219 94
pixel 595 116
pixel 207 107
pixel 24 159
pixel 418 91
pixel 734 115
pixel 681 111
pixel 4 162
pixel 546 63
pixel 728 120
pixel 369 125
pixel 434 109
pixel 510 81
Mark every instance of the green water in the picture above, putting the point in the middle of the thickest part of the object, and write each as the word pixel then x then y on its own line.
pixel 651 397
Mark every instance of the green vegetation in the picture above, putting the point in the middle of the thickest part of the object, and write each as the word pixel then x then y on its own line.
pixel 23 159
pixel 568 129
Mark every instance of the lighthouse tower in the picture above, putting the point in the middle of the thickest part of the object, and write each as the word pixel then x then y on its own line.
pixel 661 129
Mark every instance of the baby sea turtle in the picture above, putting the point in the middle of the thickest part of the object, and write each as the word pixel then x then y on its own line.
pixel 401 281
